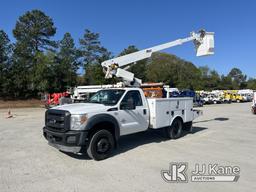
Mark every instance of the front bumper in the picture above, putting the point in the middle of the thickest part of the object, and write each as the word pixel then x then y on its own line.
pixel 69 141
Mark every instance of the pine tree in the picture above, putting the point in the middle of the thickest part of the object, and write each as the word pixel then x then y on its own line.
pixel 68 62
pixel 93 54
pixel 5 63
pixel 33 31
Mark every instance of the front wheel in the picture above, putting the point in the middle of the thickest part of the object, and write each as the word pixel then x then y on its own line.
pixel 174 131
pixel 101 145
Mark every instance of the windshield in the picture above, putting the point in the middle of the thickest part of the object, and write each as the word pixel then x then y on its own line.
pixel 107 97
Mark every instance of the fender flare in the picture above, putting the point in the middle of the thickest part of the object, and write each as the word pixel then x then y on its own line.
pixel 104 118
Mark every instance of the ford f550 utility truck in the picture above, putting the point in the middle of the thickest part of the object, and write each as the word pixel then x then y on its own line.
pixel 113 112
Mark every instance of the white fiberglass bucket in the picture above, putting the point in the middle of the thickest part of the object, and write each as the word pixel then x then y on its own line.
pixel 206 46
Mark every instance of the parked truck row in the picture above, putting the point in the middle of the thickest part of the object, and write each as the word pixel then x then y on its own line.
pixel 226 96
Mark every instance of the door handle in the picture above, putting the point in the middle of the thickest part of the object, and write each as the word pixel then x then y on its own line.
pixel 144 111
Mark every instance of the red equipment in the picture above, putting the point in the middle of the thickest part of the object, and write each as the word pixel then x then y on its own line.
pixel 54 99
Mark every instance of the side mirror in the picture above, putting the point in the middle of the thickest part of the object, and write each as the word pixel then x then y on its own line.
pixel 127 106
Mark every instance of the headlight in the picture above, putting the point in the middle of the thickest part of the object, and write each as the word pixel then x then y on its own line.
pixel 78 122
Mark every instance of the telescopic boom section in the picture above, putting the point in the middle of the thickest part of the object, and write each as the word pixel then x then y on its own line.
pixel 204 44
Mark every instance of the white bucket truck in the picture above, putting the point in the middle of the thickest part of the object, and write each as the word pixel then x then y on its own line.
pixel 113 112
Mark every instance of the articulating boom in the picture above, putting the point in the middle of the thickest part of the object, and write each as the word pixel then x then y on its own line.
pixel 204 44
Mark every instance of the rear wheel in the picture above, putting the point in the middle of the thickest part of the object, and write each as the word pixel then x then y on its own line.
pixel 101 145
pixel 174 131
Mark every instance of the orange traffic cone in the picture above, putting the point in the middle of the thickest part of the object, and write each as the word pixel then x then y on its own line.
pixel 9 114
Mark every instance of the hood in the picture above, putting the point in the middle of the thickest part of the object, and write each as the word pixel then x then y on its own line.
pixel 80 108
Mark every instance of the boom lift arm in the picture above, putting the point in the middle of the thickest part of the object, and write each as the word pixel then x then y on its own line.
pixel 204 44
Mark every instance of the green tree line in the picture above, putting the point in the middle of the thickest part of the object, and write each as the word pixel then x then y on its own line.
pixel 35 63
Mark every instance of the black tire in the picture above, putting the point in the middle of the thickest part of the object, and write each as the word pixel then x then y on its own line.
pixel 101 145
pixel 188 127
pixel 175 130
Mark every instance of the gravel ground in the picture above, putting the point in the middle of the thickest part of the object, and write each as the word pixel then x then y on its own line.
pixel 225 134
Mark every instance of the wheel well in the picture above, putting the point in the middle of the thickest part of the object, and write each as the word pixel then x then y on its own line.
pixel 103 125
pixel 178 117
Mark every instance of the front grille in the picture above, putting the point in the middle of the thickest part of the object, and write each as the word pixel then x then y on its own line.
pixel 57 120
